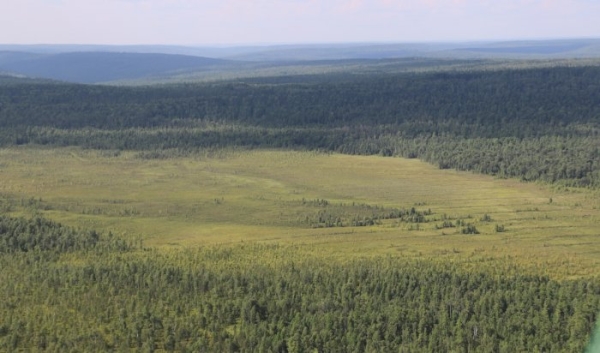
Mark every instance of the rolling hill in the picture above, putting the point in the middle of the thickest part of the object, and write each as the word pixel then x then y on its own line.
pixel 146 64
pixel 97 67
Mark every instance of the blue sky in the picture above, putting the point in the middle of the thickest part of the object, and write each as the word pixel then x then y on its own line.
pixel 213 22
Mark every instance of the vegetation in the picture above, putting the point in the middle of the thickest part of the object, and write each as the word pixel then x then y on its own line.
pixel 262 215
pixel 533 124
pixel 273 298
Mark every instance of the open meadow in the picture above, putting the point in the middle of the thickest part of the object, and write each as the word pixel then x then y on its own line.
pixel 330 204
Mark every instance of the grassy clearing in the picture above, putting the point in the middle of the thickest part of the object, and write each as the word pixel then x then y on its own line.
pixel 276 196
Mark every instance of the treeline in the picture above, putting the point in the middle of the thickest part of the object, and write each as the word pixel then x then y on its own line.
pixel 534 124
pixel 269 298
pixel 571 159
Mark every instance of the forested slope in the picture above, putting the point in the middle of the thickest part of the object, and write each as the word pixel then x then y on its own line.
pixel 102 294
pixel 538 123
pixel 519 103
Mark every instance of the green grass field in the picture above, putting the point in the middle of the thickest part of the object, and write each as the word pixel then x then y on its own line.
pixel 229 196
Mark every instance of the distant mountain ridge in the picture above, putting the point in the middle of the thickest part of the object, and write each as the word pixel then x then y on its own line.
pixel 533 49
pixel 98 67
pixel 564 48
pixel 9 57
pixel 159 63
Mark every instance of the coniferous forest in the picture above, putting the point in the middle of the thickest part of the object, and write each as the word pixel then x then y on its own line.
pixel 81 289
pixel 529 123
pixel 70 291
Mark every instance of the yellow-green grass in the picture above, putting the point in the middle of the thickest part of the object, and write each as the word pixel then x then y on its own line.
pixel 230 196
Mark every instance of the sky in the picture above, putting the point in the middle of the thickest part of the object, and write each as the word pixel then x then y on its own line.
pixel 251 22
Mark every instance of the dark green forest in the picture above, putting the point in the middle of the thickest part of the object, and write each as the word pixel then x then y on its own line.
pixel 74 291
pixel 529 123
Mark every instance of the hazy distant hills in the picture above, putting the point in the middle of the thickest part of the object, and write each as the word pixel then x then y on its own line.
pixel 550 49
pixel 96 67
pixel 558 48
pixel 156 63
pixel 10 57
pixel 546 49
